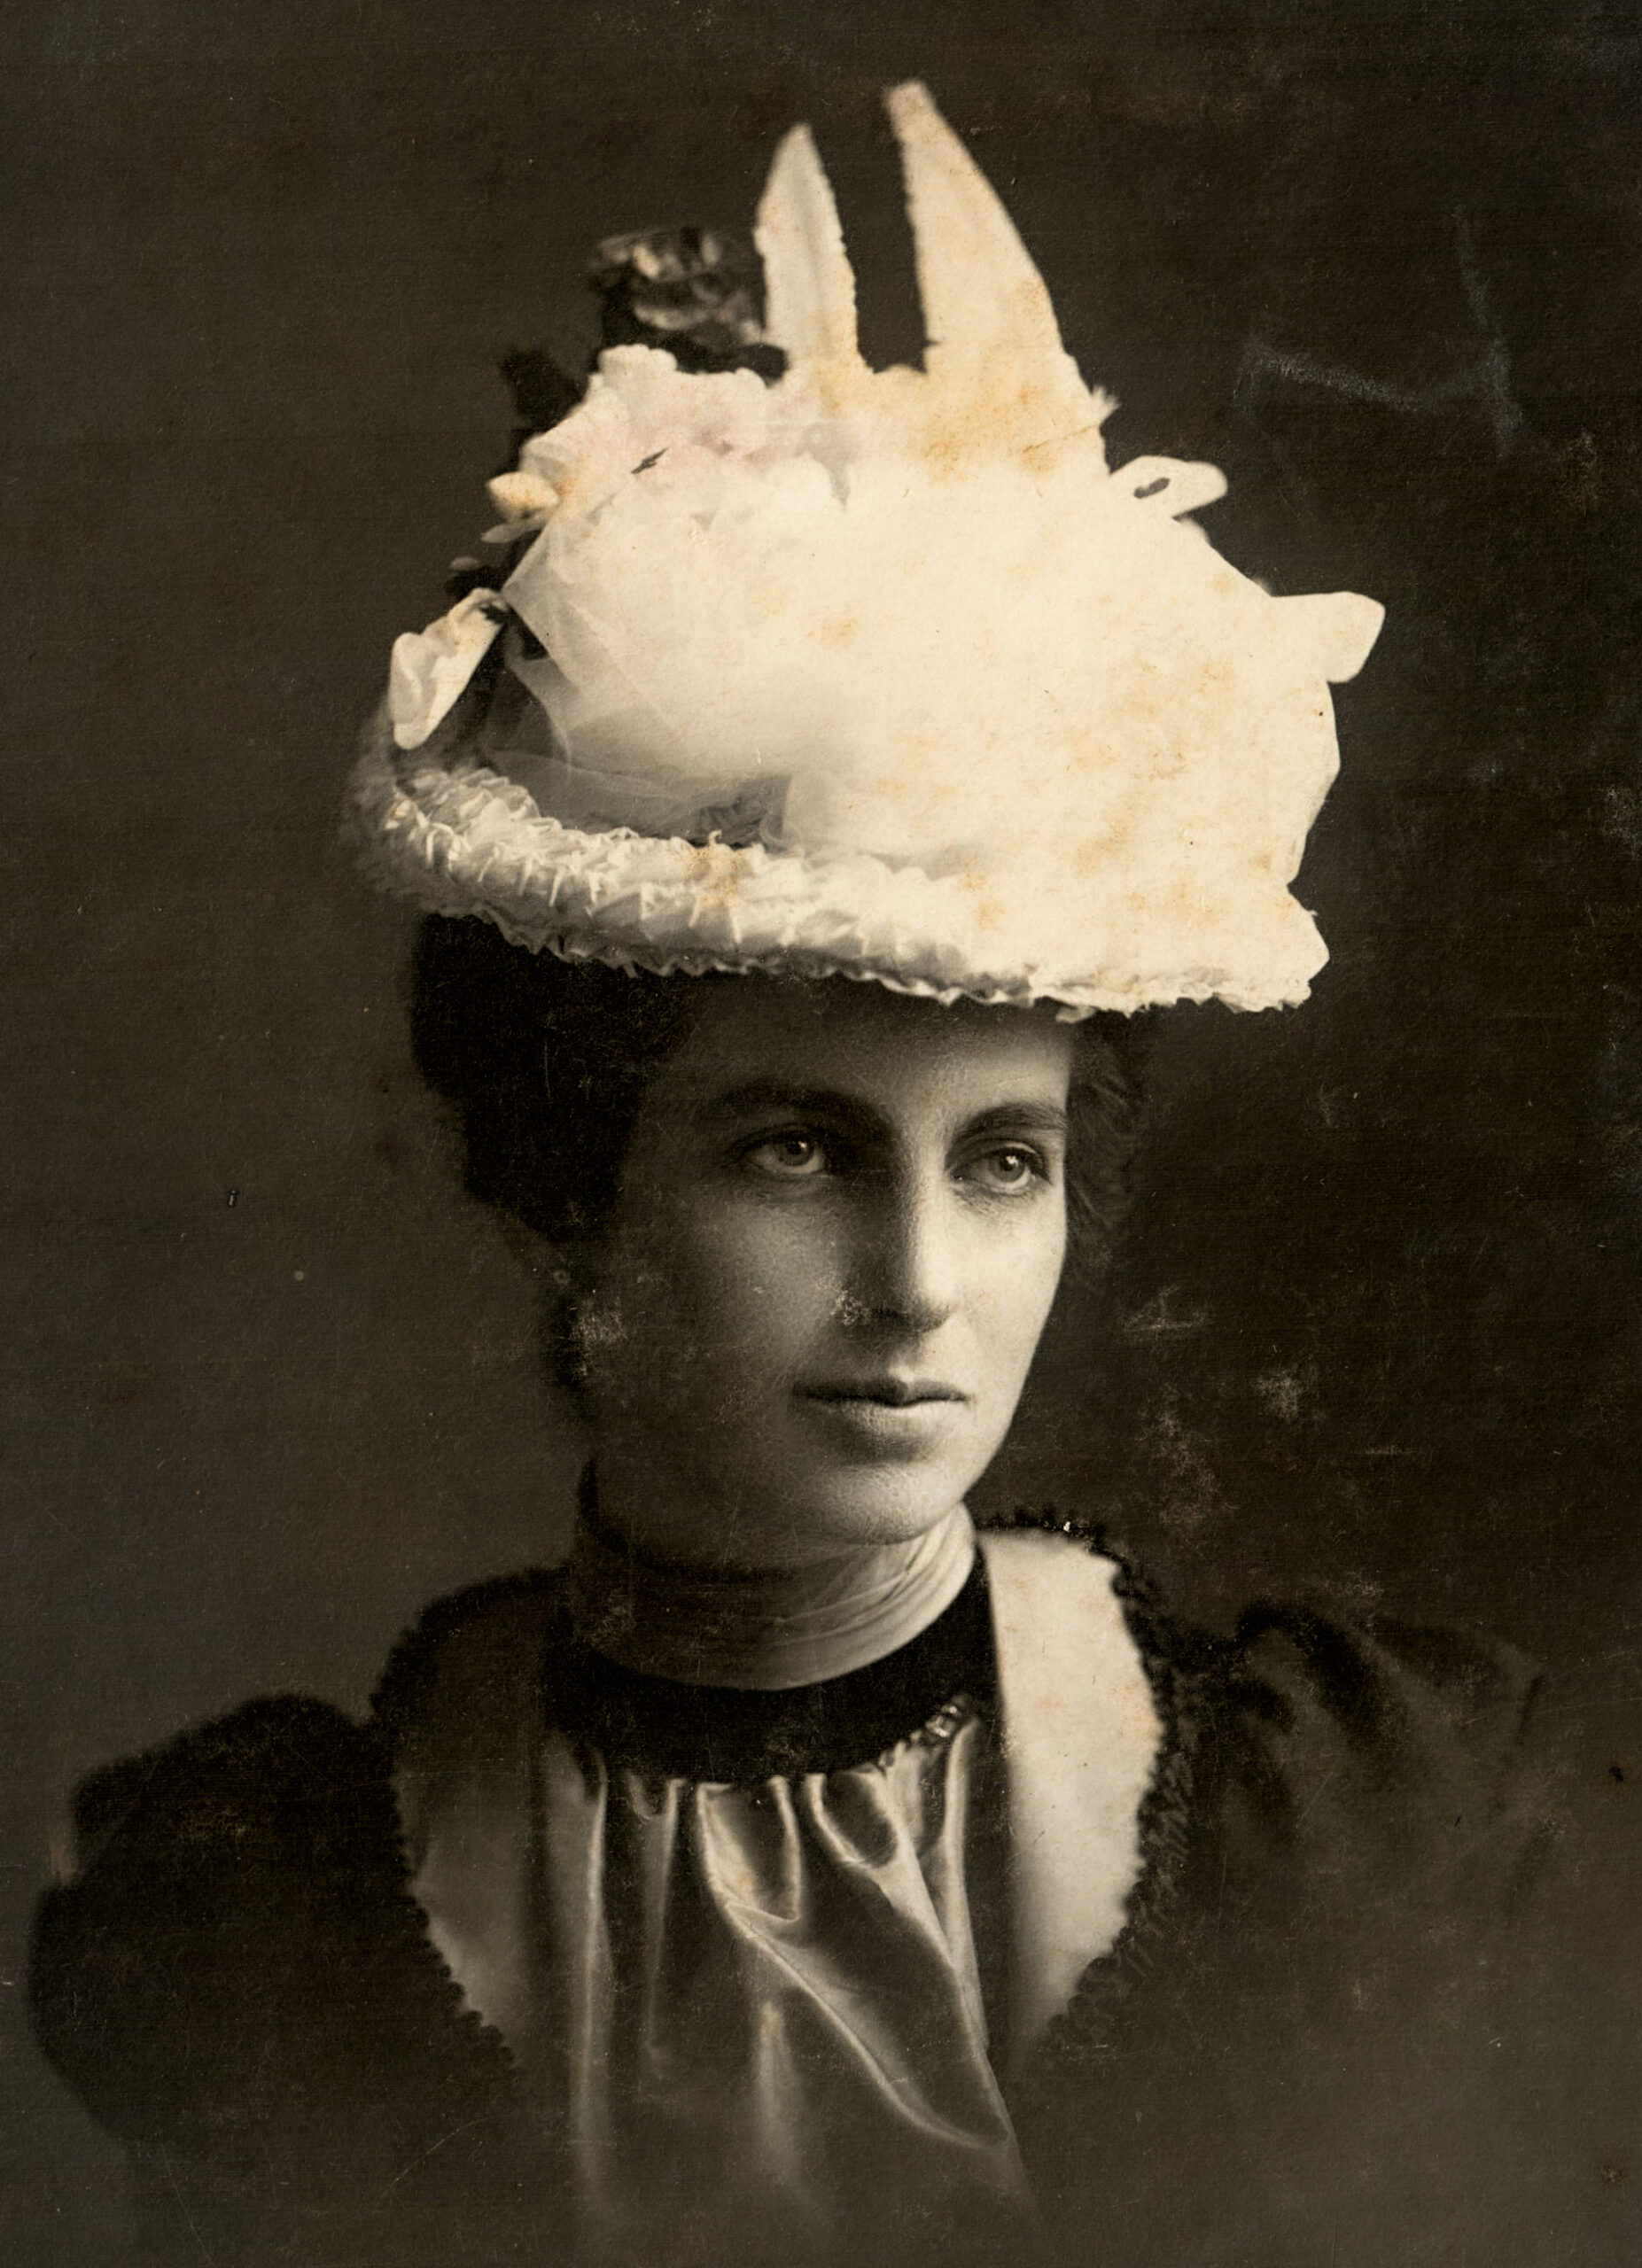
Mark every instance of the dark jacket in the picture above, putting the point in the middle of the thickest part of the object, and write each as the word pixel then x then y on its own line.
pixel 1333 2035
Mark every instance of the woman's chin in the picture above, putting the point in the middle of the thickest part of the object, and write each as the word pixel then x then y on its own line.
pixel 780 1498
pixel 854 1505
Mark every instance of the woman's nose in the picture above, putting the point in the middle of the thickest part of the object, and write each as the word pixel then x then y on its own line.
pixel 907 1263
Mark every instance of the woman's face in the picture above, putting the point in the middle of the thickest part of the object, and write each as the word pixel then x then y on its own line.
pixel 839 1230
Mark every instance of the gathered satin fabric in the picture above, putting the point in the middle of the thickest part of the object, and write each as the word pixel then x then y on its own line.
pixel 770 1630
pixel 758 2004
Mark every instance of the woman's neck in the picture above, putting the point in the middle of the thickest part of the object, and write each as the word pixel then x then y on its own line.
pixel 767 1629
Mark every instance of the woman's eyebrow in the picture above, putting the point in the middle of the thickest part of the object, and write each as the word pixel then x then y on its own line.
pixel 761 1097
pixel 1019 1118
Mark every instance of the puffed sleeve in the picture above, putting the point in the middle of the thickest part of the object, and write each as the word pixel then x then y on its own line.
pixel 237 1983
pixel 1343 2034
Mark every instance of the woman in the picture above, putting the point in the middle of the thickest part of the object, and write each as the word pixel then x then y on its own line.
pixel 795 1875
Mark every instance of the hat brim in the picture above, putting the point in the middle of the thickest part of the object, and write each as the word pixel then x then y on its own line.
pixel 465 840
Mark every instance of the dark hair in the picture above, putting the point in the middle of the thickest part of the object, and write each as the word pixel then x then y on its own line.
pixel 546 1060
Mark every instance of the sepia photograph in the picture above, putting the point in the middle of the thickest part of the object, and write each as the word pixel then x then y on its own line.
pixel 823 1177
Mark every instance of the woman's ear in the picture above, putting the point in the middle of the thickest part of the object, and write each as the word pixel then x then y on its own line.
pixel 565 1274
pixel 571 1283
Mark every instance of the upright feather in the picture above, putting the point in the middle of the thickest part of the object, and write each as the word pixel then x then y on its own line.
pixel 809 283
pixel 987 314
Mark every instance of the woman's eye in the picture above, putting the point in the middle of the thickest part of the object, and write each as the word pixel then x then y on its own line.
pixel 1008 1171
pixel 787 1157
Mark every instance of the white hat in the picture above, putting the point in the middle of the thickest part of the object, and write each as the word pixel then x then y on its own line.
pixel 878 673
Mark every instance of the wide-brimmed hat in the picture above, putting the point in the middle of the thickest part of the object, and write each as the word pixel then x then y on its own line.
pixel 878 673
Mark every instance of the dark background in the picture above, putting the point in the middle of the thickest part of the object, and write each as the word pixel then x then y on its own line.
pixel 269 1380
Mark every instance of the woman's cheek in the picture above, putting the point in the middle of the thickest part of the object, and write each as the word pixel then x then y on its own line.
pixel 772 1281
pixel 1020 1284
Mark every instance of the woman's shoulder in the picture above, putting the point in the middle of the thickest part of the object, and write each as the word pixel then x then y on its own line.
pixel 1348 1832
pixel 1315 1780
pixel 1295 1674
pixel 471 1660
pixel 1380 1679
pixel 1296 1694
pixel 290 1766
pixel 1337 1755
pixel 235 1955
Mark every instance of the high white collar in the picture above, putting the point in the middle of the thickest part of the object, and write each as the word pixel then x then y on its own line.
pixel 764 1632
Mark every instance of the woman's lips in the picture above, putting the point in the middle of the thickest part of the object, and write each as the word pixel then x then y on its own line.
pixel 894 1394
pixel 897 1419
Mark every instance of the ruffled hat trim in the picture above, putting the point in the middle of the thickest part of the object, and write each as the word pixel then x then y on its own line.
pixel 469 842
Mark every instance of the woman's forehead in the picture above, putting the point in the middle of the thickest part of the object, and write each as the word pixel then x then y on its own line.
pixel 757 1038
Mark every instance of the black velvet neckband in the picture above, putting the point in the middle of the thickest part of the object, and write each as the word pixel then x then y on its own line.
pixel 717 1733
